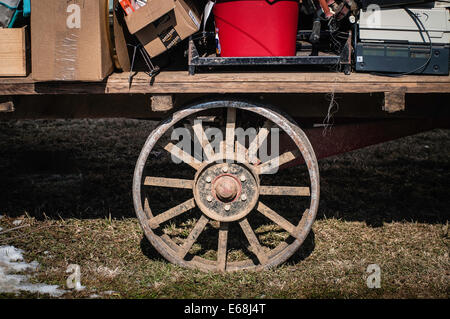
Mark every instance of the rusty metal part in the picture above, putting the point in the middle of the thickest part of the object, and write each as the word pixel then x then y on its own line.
pixel 226 187
pixel 225 191
pixel 210 203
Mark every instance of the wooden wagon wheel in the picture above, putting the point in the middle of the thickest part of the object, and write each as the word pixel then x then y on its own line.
pixel 226 190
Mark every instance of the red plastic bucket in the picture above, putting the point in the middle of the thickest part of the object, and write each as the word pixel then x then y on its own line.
pixel 256 27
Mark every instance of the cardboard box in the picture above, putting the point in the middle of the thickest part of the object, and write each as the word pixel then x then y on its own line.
pixel 153 10
pixel 14 52
pixel 160 32
pixel 121 38
pixel 70 40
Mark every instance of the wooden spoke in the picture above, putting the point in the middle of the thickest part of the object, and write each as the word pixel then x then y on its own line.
pixel 198 228
pixel 166 238
pixel 168 182
pixel 277 219
pixel 241 152
pixel 222 247
pixel 222 148
pixel 253 240
pixel 231 125
pixel 171 213
pixel 197 153
pixel 203 139
pixel 182 155
pixel 277 162
pixel 147 210
pixel 257 142
pixel 284 191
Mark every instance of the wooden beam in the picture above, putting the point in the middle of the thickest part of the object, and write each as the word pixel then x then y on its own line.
pixel 161 102
pixel 394 101
pixel 176 82
pixel 7 107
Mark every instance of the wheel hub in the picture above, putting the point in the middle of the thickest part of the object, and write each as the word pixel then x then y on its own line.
pixel 226 188
pixel 226 191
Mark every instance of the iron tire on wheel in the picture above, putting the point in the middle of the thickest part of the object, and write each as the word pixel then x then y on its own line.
pixel 265 259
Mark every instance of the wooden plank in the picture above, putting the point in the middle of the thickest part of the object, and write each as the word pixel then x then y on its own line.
pixel 219 77
pixel 161 102
pixel 172 82
pixel 166 77
pixel 7 107
pixel 288 82
pixel 394 101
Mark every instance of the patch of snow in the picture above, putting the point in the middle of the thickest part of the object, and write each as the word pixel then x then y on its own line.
pixel 11 262
pixel 1 229
pixel 17 222
pixel 78 286
pixel 94 296
pixel 107 272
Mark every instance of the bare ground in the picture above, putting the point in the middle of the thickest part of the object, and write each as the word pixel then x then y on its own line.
pixel 69 181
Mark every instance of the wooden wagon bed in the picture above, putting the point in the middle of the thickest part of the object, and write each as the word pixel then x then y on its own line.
pixel 257 82
pixel 108 98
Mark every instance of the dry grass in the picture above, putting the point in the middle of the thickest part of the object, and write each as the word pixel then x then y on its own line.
pixel 70 181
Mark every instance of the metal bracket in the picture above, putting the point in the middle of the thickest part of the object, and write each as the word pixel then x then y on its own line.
pixel 195 60
pixel 152 70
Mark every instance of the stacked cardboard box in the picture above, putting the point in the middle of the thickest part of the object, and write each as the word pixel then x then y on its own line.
pixel 70 40
pixel 161 24
pixel 14 48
